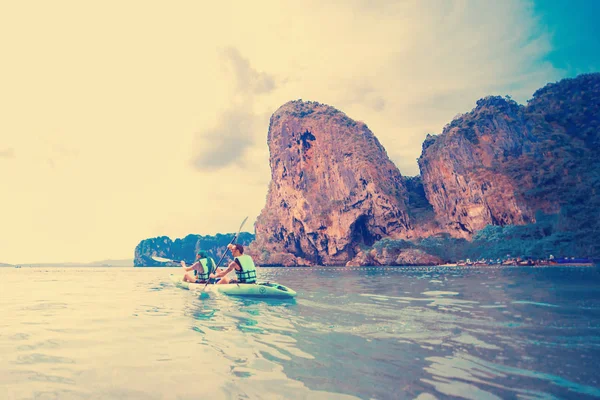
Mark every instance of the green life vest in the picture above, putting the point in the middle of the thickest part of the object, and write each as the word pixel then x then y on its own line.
pixel 248 272
pixel 206 266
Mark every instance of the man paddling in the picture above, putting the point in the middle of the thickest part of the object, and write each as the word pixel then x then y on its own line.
pixel 202 267
pixel 242 264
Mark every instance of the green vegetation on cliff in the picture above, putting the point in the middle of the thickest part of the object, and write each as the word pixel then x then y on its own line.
pixel 539 240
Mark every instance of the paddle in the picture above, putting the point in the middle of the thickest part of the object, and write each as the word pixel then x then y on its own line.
pixel 225 252
pixel 162 259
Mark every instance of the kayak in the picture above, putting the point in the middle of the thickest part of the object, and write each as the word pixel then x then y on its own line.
pixel 259 289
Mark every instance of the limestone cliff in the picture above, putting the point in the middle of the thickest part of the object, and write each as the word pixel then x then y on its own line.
pixel 463 169
pixel 333 189
pixel 394 252
pixel 502 178
pixel 502 162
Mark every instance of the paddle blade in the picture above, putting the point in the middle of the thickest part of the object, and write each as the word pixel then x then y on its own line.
pixel 241 225
pixel 161 259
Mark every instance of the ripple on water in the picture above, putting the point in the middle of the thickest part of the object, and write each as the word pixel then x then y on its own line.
pixel 40 377
pixel 39 358
pixel 440 293
pixel 45 305
pixel 19 336
pixel 452 373
pixel 46 344
pixel 535 303
pixel 375 333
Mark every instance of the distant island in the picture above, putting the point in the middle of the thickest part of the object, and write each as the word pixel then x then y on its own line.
pixel 501 179
pixel 102 263
pixel 185 249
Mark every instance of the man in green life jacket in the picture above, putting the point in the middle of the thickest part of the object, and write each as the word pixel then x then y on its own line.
pixel 243 265
pixel 202 267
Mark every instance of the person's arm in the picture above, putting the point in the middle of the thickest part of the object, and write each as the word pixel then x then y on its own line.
pixel 190 268
pixel 224 272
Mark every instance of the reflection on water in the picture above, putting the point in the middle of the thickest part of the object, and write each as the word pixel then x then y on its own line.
pixel 382 333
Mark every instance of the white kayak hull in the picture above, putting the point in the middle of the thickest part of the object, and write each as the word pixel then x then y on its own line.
pixel 259 289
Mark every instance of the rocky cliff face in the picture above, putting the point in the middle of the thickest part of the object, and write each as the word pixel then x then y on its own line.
pixel 509 178
pixel 502 162
pixel 395 253
pixel 333 189
pixel 464 169
pixel 567 125
pixel 186 248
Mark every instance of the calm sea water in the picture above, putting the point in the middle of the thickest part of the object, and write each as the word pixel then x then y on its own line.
pixel 380 333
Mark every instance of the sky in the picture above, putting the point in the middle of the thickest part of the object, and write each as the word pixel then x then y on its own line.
pixel 122 121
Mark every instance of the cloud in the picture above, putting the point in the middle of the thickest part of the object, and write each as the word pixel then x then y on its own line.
pixel 361 92
pixel 7 153
pixel 249 81
pixel 226 143
pixel 406 68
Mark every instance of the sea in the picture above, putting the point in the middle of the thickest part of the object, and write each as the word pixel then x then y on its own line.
pixel 351 333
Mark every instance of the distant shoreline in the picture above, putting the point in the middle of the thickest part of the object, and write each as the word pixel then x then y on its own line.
pixel 63 266
pixel 520 265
